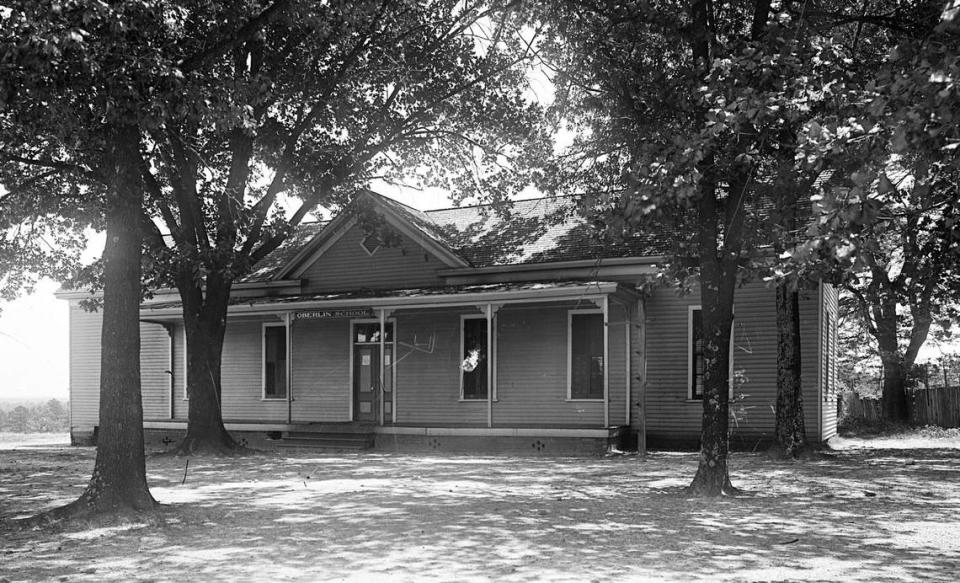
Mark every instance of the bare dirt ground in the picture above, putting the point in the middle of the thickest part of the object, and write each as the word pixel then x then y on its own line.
pixel 859 514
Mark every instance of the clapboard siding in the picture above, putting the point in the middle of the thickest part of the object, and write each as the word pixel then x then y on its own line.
pixel 532 371
pixel 669 412
pixel 241 376
pixel 321 370
pixel 428 371
pixel 617 371
pixel 154 367
pixel 84 367
pixel 828 347
pixel 181 406
pixel 345 265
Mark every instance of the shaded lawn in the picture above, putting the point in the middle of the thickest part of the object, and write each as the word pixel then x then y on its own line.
pixel 859 515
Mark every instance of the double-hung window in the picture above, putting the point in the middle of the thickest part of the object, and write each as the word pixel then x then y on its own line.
pixel 274 361
pixel 585 349
pixel 474 354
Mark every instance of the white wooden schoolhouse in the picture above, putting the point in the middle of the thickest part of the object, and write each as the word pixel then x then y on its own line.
pixel 466 331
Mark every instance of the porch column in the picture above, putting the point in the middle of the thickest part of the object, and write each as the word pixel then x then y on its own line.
pixel 606 361
pixel 629 314
pixel 641 372
pixel 490 353
pixel 288 336
pixel 383 333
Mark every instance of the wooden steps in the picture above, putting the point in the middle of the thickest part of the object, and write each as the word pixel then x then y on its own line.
pixel 330 437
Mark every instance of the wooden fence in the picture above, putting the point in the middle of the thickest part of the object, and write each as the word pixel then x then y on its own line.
pixel 938 406
pixel 862 408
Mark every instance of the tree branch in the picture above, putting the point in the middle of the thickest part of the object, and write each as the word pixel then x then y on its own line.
pixel 240 36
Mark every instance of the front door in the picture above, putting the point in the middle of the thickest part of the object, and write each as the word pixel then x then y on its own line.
pixel 368 390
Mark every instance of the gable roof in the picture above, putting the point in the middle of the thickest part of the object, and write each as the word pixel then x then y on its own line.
pixel 539 230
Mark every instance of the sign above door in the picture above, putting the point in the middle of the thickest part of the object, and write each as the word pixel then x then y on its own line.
pixel 325 314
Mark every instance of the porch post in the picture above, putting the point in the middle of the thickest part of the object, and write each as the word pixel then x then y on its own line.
pixel 490 383
pixel 289 365
pixel 629 314
pixel 383 333
pixel 606 361
pixel 641 372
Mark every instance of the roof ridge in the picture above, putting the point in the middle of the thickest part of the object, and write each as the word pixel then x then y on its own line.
pixel 394 201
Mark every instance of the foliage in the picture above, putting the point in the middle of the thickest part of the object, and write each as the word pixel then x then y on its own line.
pixel 51 416
pixel 686 117
pixel 887 221
pixel 323 99
pixel 251 115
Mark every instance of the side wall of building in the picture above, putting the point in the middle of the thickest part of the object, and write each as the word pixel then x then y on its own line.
pixel 673 417
pixel 827 373
pixel 155 377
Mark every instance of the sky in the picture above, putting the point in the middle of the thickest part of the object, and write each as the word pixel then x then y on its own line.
pixel 35 333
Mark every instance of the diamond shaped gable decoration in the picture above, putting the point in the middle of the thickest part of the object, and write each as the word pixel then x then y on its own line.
pixel 370 244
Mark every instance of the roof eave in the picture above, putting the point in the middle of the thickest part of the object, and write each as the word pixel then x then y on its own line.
pixel 587 291
pixel 553 265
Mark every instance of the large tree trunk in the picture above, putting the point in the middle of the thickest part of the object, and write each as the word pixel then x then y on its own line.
pixel 205 317
pixel 119 481
pixel 894 395
pixel 716 296
pixel 790 430
pixel 894 400
pixel 718 277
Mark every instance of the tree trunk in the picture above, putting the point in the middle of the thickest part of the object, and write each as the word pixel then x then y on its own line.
pixel 894 404
pixel 790 429
pixel 716 296
pixel 205 317
pixel 718 278
pixel 119 482
pixel 894 392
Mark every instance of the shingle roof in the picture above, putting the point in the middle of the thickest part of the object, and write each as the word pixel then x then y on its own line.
pixel 536 230
pixel 275 261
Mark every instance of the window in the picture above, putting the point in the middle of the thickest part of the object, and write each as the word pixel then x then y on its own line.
pixel 829 358
pixel 473 366
pixel 274 361
pixel 370 244
pixel 695 364
pixel 586 355
pixel 696 353
pixel 183 347
pixel 369 332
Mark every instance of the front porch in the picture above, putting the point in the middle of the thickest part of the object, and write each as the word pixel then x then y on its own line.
pixel 540 366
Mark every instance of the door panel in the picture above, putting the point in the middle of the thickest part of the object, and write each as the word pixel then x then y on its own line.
pixel 365 365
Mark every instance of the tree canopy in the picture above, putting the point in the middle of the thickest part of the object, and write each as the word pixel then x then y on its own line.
pixel 243 108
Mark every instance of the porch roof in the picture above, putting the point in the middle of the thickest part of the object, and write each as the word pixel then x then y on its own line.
pixel 447 296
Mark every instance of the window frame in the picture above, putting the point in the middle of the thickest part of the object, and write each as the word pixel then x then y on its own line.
pixel 263 362
pixel 487 396
pixel 363 244
pixel 352 340
pixel 691 397
pixel 570 315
